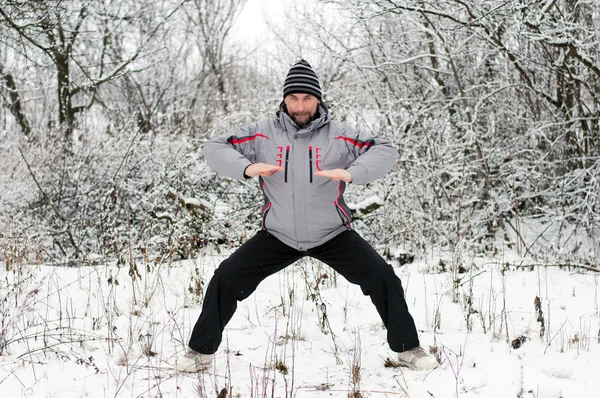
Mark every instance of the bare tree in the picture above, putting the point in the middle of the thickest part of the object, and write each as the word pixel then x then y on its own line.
pixel 134 67
pixel 494 104
pixel 212 21
pixel 75 36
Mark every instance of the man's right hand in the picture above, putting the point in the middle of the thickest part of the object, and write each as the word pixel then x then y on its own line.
pixel 261 169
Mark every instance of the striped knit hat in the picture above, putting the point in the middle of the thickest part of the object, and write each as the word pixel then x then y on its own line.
pixel 302 79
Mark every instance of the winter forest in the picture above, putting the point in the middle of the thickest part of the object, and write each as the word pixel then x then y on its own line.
pixel 111 223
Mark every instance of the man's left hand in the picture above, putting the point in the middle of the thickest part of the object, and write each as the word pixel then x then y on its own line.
pixel 335 174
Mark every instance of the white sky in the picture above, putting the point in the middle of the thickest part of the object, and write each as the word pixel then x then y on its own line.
pixel 251 26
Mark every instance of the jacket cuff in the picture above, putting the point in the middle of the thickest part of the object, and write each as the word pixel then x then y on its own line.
pixel 245 175
pixel 242 176
pixel 359 175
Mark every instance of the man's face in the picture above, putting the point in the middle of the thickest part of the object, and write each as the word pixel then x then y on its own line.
pixel 302 108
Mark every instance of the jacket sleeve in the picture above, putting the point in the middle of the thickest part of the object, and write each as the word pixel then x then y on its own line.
pixel 230 154
pixel 371 157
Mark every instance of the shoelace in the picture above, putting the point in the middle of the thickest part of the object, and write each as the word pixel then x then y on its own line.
pixel 418 352
pixel 191 354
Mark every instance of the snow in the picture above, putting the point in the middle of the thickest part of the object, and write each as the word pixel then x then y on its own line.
pixel 95 332
pixel 359 209
pixel 195 203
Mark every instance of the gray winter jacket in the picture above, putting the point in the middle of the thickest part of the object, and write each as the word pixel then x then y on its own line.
pixel 302 210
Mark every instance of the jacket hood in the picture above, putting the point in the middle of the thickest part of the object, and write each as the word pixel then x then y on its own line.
pixel 288 124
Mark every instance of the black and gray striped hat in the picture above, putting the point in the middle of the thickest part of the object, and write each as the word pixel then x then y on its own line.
pixel 301 78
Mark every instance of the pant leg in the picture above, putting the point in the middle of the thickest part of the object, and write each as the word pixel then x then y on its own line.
pixel 234 280
pixel 353 257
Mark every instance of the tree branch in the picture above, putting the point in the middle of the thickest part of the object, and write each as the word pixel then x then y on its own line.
pixel 24 35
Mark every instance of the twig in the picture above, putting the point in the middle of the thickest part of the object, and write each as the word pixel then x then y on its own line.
pixel 471 278
pixel 555 334
pixel 535 240
pixel 39 186
pixel 68 229
pixel 127 152
pixel 517 232
pixel 560 265
pixel 318 388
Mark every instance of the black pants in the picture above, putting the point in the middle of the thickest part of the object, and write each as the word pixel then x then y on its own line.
pixel 263 255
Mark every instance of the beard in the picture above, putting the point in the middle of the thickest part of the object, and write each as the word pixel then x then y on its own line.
pixel 302 119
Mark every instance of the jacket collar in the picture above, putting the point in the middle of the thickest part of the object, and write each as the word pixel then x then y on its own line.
pixel 289 125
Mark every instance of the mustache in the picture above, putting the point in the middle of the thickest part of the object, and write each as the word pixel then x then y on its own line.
pixel 306 113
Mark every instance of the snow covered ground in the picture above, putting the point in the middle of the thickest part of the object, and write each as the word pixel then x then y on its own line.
pixel 95 332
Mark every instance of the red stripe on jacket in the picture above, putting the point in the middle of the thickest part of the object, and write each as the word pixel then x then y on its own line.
pixel 355 142
pixel 339 206
pixel 236 140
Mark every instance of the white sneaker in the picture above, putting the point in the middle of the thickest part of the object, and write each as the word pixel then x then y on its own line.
pixel 417 359
pixel 193 362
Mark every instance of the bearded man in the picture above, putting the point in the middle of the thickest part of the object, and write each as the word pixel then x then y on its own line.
pixel 303 161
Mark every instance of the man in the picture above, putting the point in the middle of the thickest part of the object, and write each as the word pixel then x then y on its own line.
pixel 303 161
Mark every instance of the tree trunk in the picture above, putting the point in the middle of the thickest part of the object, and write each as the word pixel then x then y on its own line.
pixel 66 114
pixel 15 102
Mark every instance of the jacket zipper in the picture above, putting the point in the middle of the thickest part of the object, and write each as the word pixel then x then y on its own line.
pixel 310 171
pixel 287 159
pixel 267 205
pixel 264 215
pixel 345 217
